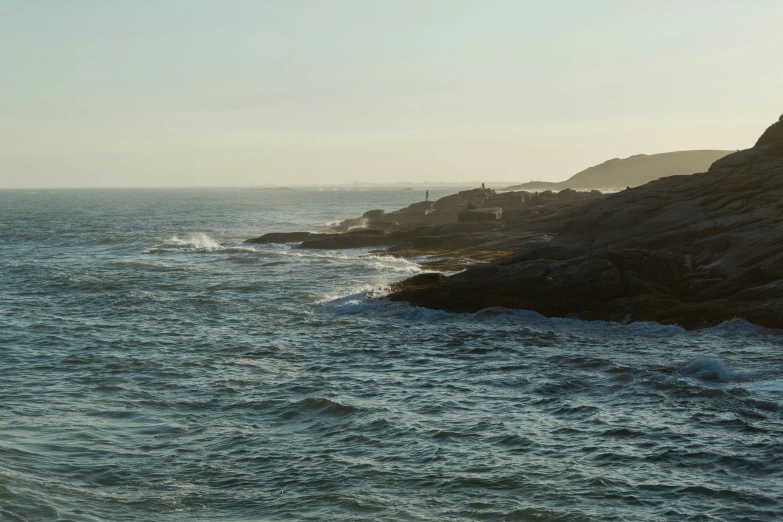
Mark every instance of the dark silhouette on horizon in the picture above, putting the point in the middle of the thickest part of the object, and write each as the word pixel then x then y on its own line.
pixel 633 171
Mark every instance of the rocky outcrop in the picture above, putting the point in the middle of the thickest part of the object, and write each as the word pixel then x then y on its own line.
pixel 480 214
pixel 374 215
pixel 772 138
pixel 442 211
pixel 508 206
pixel 282 237
pixel 434 229
pixel 693 250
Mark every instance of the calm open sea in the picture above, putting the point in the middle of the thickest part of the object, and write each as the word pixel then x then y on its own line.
pixel 153 367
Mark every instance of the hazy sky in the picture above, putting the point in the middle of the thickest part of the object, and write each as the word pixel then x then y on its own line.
pixel 235 92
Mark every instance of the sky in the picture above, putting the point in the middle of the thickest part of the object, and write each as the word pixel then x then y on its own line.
pixel 110 93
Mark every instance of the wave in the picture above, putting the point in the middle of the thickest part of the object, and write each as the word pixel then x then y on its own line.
pixel 386 263
pixel 371 302
pixel 361 304
pixel 324 405
pixel 709 369
pixel 709 377
pixel 198 242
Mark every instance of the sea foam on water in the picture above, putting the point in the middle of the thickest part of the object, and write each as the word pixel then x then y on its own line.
pixel 199 241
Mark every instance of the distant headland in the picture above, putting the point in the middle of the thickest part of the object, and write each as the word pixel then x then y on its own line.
pixel 633 171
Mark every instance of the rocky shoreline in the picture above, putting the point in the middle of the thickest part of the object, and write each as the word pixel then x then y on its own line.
pixel 693 250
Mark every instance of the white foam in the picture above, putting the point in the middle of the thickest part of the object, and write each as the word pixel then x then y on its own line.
pixel 199 240
pixel 359 304
pixel 195 242
pixel 735 326
pixel 378 262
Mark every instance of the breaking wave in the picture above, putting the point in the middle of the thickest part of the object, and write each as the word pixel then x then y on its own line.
pixel 708 369
pixel 198 242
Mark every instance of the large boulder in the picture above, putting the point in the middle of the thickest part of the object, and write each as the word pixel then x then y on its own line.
pixel 374 215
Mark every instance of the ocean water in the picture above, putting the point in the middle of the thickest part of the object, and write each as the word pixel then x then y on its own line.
pixel 153 367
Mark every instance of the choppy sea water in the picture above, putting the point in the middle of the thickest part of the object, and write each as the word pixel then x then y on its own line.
pixel 152 367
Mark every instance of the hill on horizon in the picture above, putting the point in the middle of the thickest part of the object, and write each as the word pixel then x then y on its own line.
pixel 633 171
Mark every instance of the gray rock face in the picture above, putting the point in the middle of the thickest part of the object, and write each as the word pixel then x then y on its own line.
pixel 480 214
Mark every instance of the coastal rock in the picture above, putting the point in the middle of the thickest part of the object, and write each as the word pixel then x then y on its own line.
pixel 446 210
pixel 709 245
pixel 374 215
pixel 552 286
pixel 480 214
pixel 359 238
pixel 417 281
pixel 773 136
pixel 283 237
pixel 526 217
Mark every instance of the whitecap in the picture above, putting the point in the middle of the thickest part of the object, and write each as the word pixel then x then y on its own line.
pixel 197 242
pixel 735 326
